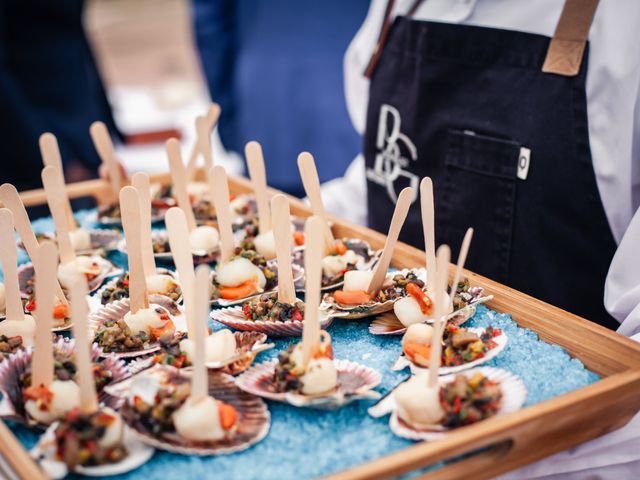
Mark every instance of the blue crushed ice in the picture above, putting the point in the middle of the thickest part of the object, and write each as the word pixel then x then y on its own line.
pixel 307 443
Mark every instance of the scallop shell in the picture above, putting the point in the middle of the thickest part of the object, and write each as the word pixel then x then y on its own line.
pixel 363 311
pixel 233 317
pixel 138 453
pixel 11 403
pixel 253 423
pixel 102 240
pixel 298 273
pixel 370 258
pixel 248 346
pixel 514 394
pixel 501 341
pixel 355 382
pixel 389 324
pixel 117 310
pixel 107 269
pixel 95 301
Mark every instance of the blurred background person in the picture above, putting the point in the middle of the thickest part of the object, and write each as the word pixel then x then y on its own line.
pixel 48 83
pixel 275 67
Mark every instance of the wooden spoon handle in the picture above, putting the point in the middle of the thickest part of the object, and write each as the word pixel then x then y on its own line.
pixel 314 250
pixel 130 208
pixel 212 119
pixel 179 176
pixel 10 197
pixel 280 212
pixel 140 182
pixel 46 269
pixel 255 163
pixel 9 258
pixel 104 147
pixel 428 227
pixel 219 188
pixel 199 385
pixel 462 258
pixel 82 349
pixel 399 216
pixel 442 260
pixel 180 250
pixel 51 157
pixel 311 183
pixel 57 197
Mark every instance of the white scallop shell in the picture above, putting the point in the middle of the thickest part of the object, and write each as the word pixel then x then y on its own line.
pixel 117 310
pixel 233 317
pixel 501 341
pixel 138 453
pixel 514 394
pixel 355 382
pixel 356 312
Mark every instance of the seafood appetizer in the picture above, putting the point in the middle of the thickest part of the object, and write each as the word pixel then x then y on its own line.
pixel 367 293
pixel 306 374
pixel 17 328
pixel 281 315
pixel 160 284
pixel 462 348
pixel 88 436
pixel 239 274
pixel 204 239
pixel 422 412
pixel 184 416
pixel 134 326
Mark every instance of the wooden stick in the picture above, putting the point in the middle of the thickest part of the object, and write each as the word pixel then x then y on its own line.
pixel 311 183
pixel 140 182
pixel 255 163
pixel 104 147
pixel 399 216
pixel 9 258
pixel 199 382
pixel 428 227
pixel 46 270
pixel 181 251
pixel 82 348
pixel 442 260
pixel 314 250
pixel 130 208
pixel 179 176
pixel 212 116
pixel 282 235
pixel 10 197
pixel 14 453
pixel 462 257
pixel 219 188
pixel 51 157
pixel 57 197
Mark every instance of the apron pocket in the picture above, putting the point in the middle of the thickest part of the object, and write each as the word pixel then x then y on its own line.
pixel 479 191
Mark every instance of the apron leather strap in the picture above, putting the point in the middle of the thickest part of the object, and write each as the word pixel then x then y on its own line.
pixel 566 48
pixel 384 34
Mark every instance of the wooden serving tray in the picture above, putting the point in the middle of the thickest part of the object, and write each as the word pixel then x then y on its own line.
pixel 507 442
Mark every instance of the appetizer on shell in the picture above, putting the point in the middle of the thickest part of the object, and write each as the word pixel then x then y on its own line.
pixel 423 413
pixel 462 348
pixel 163 283
pixel 85 241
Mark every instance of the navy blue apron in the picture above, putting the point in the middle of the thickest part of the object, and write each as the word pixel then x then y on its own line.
pixel 507 147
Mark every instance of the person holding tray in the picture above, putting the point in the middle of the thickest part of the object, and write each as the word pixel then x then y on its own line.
pixel 487 99
pixel 523 114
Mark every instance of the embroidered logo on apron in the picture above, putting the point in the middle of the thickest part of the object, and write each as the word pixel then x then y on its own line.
pixel 395 152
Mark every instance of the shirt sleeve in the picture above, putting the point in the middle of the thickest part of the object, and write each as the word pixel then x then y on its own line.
pixel 346 196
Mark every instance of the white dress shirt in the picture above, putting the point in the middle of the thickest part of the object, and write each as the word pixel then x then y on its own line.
pixel 613 81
